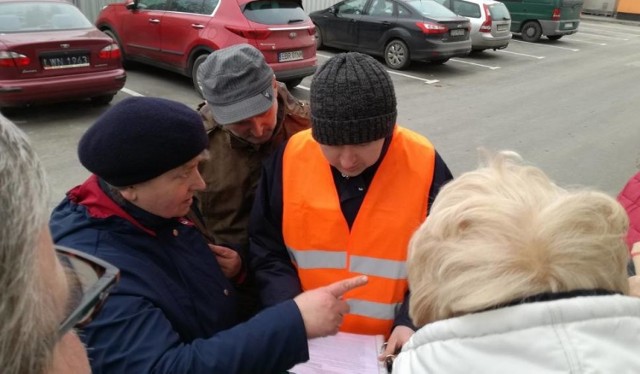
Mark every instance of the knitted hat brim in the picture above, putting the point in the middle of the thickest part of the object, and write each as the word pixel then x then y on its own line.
pixel 250 107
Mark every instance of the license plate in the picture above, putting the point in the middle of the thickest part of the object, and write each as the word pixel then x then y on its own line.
pixel 65 62
pixel 502 27
pixel 568 25
pixel 290 56
pixel 457 32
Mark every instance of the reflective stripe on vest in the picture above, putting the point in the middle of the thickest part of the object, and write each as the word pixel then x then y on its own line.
pixel 373 310
pixel 318 259
pixel 318 238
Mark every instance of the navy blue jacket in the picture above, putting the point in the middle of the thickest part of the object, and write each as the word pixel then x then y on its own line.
pixel 269 261
pixel 173 310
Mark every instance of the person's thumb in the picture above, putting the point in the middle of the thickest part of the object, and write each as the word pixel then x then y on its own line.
pixel 221 251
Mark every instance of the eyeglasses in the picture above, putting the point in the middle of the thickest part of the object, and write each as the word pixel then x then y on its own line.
pixel 90 280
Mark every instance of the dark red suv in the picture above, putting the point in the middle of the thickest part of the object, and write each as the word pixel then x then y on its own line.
pixel 179 34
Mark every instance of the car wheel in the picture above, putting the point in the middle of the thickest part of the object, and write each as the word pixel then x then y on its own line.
pixel 293 83
pixel 115 38
pixel 102 99
pixel 531 31
pixel 439 62
pixel 396 55
pixel 554 37
pixel 194 73
pixel 318 38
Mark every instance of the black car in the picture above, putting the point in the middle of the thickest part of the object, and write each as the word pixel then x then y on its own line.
pixel 398 30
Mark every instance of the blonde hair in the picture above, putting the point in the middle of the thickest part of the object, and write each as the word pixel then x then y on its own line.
pixel 506 231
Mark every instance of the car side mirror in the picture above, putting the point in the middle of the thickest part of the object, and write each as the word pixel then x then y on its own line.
pixel 332 9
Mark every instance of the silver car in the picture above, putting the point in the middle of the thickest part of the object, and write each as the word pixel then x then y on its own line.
pixel 490 22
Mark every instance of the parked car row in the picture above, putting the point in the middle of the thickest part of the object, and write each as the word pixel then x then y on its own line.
pixel 50 52
pixel 435 31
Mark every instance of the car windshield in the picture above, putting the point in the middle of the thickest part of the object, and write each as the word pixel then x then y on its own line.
pixel 499 11
pixel 280 12
pixel 430 8
pixel 45 16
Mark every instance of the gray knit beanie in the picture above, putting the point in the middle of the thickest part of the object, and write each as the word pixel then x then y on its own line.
pixel 352 101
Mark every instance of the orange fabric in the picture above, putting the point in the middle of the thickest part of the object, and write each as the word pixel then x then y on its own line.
pixel 393 208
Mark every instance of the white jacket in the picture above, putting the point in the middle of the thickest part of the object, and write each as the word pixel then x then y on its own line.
pixel 594 334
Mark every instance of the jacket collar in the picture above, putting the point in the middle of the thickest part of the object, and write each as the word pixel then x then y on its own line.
pixel 100 205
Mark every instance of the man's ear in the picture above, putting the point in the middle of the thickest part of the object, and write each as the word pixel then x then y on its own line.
pixel 129 193
pixel 275 83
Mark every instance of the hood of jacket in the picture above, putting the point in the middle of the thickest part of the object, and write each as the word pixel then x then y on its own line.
pixel 594 334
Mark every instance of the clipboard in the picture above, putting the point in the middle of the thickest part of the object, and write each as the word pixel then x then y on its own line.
pixel 343 353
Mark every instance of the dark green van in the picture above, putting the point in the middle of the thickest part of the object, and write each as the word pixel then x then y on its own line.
pixel 552 18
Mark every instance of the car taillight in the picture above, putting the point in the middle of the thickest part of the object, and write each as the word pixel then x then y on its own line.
pixel 556 14
pixel 250 34
pixel 432 28
pixel 312 30
pixel 486 25
pixel 10 59
pixel 110 52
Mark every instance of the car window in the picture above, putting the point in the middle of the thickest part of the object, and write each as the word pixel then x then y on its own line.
pixel 499 11
pixel 350 7
pixel 466 9
pixel 191 6
pixel 381 8
pixel 210 6
pixel 153 4
pixel 445 3
pixel 403 12
pixel 45 16
pixel 430 8
pixel 274 12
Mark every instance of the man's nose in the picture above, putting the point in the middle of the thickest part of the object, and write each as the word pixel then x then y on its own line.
pixel 199 183
pixel 347 158
pixel 257 129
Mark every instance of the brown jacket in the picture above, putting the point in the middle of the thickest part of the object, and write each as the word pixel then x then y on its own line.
pixel 233 171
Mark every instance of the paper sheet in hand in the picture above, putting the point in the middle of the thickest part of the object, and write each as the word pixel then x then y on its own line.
pixel 343 353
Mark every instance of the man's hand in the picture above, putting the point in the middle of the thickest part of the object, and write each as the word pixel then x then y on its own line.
pixel 399 336
pixel 322 309
pixel 229 260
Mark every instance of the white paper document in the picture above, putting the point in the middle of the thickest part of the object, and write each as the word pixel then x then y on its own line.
pixel 343 353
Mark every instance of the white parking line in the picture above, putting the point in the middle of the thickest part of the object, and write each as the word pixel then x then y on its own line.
pixel 593 35
pixel 546 45
pixel 131 92
pixel 585 41
pixel 426 81
pixel 303 87
pixel 325 56
pixel 476 64
pixel 519 54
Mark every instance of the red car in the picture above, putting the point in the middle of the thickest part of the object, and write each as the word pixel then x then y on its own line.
pixel 178 35
pixel 49 52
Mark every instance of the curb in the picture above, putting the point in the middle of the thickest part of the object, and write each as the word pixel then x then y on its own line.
pixel 607 19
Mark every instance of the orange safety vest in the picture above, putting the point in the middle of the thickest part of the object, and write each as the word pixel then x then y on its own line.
pixel 318 239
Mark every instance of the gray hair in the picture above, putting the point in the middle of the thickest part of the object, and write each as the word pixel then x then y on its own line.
pixel 27 332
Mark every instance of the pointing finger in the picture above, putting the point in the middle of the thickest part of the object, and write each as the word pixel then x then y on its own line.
pixel 339 288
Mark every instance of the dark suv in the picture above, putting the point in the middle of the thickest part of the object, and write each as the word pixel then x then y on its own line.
pixel 179 34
